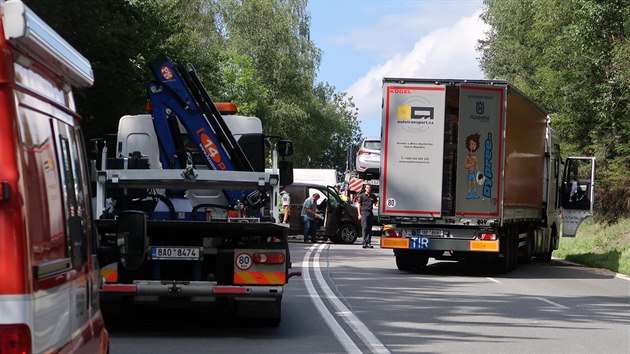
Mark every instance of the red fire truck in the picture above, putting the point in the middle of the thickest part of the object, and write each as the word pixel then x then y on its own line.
pixel 49 277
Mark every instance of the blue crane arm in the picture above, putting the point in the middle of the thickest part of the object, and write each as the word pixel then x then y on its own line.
pixel 178 95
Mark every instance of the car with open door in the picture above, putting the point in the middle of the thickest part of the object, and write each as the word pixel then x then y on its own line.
pixel 340 223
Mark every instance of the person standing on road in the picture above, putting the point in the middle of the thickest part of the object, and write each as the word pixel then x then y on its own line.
pixel 365 202
pixel 309 213
pixel 284 205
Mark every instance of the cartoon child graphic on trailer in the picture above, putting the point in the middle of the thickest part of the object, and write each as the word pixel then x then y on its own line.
pixel 471 163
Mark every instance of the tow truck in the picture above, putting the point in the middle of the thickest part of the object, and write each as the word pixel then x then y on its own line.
pixel 181 210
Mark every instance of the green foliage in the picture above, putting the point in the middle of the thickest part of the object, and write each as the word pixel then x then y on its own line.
pixel 572 57
pixel 257 54
pixel 599 245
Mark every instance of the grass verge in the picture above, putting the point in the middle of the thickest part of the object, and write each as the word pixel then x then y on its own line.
pixel 599 246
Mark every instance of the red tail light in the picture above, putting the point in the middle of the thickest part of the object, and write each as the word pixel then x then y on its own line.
pixel 269 258
pixel 15 339
pixel 487 237
pixel 391 232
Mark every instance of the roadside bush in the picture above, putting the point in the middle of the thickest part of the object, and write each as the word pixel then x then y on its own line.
pixel 612 203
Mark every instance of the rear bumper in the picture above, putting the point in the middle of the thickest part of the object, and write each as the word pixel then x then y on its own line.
pixel 175 289
pixel 440 244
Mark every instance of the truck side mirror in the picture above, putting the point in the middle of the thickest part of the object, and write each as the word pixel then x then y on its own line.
pixel 286 172
pixel 285 148
pixel 96 147
pixel 131 238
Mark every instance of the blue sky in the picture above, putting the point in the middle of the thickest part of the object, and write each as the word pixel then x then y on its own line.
pixel 365 40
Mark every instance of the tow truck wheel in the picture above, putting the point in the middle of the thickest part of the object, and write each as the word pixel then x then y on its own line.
pixel 347 234
pixel 266 313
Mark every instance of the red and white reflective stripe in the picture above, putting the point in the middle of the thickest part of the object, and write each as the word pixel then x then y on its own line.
pixel 355 184
pixel 230 290
pixel 119 288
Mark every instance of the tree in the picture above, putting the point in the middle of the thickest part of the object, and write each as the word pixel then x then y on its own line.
pixel 274 63
pixel 572 57
pixel 257 54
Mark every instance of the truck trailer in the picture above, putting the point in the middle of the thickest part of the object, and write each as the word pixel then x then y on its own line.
pixel 471 169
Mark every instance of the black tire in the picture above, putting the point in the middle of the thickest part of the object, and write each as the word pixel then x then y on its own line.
pixel 409 261
pixel 515 242
pixel 506 263
pixel 529 246
pixel 347 234
pixel 546 256
pixel 403 262
pixel 261 313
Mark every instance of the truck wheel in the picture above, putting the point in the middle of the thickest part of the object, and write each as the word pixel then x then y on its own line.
pixel 410 260
pixel 403 262
pixel 546 256
pixel 529 245
pixel 347 234
pixel 509 250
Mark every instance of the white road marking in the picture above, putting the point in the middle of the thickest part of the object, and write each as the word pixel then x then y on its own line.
pixel 494 280
pixel 359 328
pixel 337 330
pixel 621 276
pixel 551 302
pixel 353 321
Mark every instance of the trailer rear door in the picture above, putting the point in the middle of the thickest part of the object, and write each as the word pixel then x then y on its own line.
pixel 480 150
pixel 412 149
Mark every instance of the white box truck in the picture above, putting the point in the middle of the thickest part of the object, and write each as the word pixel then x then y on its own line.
pixel 472 170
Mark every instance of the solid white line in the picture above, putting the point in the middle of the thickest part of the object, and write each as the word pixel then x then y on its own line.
pixel 551 302
pixel 337 330
pixel 622 276
pixel 494 280
pixel 349 317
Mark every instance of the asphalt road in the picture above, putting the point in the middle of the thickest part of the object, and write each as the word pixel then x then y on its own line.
pixel 351 299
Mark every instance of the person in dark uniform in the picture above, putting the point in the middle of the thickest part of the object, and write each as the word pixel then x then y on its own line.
pixel 365 202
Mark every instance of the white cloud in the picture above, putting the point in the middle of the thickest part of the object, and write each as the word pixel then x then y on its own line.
pixel 447 53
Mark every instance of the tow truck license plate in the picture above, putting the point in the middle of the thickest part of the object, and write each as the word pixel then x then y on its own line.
pixel 177 253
